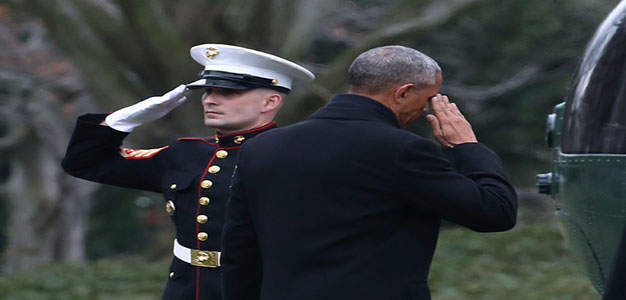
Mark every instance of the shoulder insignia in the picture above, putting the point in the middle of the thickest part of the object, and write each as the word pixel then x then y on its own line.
pixel 128 153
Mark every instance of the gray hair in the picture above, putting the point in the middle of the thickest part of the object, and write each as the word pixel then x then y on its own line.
pixel 381 68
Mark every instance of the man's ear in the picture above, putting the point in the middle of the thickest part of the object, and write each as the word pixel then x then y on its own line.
pixel 402 91
pixel 271 102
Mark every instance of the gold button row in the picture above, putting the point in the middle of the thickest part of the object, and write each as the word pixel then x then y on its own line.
pixel 221 154
pixel 214 169
pixel 202 219
pixel 205 184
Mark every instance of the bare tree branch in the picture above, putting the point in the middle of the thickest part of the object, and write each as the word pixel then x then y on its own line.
pixel 478 94
pixel 436 13
pixel 301 30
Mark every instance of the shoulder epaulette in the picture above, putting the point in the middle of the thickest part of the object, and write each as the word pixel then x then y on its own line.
pixel 128 153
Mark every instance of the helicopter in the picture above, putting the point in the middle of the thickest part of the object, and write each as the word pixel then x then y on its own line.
pixel 587 137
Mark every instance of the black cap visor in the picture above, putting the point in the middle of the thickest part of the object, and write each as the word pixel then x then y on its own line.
pixel 233 81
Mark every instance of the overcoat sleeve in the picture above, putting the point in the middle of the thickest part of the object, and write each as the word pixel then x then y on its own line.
pixel 473 191
pixel 241 257
pixel 94 153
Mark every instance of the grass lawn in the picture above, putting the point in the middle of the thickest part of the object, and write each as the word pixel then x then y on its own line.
pixel 529 262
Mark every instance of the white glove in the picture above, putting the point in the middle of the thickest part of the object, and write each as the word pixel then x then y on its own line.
pixel 126 119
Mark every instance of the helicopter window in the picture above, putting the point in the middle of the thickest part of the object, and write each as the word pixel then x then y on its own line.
pixel 595 112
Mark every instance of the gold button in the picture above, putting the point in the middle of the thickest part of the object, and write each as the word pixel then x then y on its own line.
pixel 170 207
pixel 173 186
pixel 239 139
pixel 274 81
pixel 204 201
pixel 203 236
pixel 205 184
pixel 202 219
pixel 214 169
pixel 171 274
pixel 221 154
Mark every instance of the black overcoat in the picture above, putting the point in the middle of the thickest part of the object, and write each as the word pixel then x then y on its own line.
pixel 346 205
pixel 177 171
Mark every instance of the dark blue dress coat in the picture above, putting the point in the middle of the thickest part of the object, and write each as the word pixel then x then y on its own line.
pixel 178 172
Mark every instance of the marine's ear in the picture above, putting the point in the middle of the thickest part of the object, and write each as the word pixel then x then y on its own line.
pixel 271 101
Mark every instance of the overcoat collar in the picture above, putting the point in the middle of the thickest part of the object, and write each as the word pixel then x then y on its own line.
pixel 356 107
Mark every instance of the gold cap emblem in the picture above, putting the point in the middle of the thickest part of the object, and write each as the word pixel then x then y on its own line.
pixel 239 139
pixel 212 52
pixel 274 81
pixel 170 207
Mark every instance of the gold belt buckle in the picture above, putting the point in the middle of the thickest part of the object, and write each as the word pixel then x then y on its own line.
pixel 201 258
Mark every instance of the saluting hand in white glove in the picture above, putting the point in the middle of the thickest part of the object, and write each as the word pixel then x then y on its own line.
pixel 126 119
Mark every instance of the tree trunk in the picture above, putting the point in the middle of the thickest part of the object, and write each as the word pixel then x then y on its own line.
pixel 48 210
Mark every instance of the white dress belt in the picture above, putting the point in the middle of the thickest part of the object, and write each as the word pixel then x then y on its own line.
pixel 200 258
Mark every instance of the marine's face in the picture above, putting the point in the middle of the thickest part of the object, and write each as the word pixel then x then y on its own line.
pixel 230 110
pixel 418 103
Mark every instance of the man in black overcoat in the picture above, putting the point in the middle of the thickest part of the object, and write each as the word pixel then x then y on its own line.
pixel 244 89
pixel 347 205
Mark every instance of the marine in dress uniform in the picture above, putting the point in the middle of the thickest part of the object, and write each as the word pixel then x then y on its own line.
pixel 193 174
pixel 347 205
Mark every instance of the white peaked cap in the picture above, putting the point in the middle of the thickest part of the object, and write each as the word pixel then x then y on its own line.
pixel 259 69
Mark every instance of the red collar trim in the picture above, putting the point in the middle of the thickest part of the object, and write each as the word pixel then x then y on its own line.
pixel 197 139
pixel 247 131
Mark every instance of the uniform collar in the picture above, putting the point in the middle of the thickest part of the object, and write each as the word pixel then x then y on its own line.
pixel 236 139
pixel 356 107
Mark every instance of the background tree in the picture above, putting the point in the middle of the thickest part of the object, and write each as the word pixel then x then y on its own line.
pixel 41 89
pixel 506 62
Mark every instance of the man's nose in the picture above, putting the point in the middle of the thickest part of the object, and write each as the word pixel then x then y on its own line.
pixel 211 99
